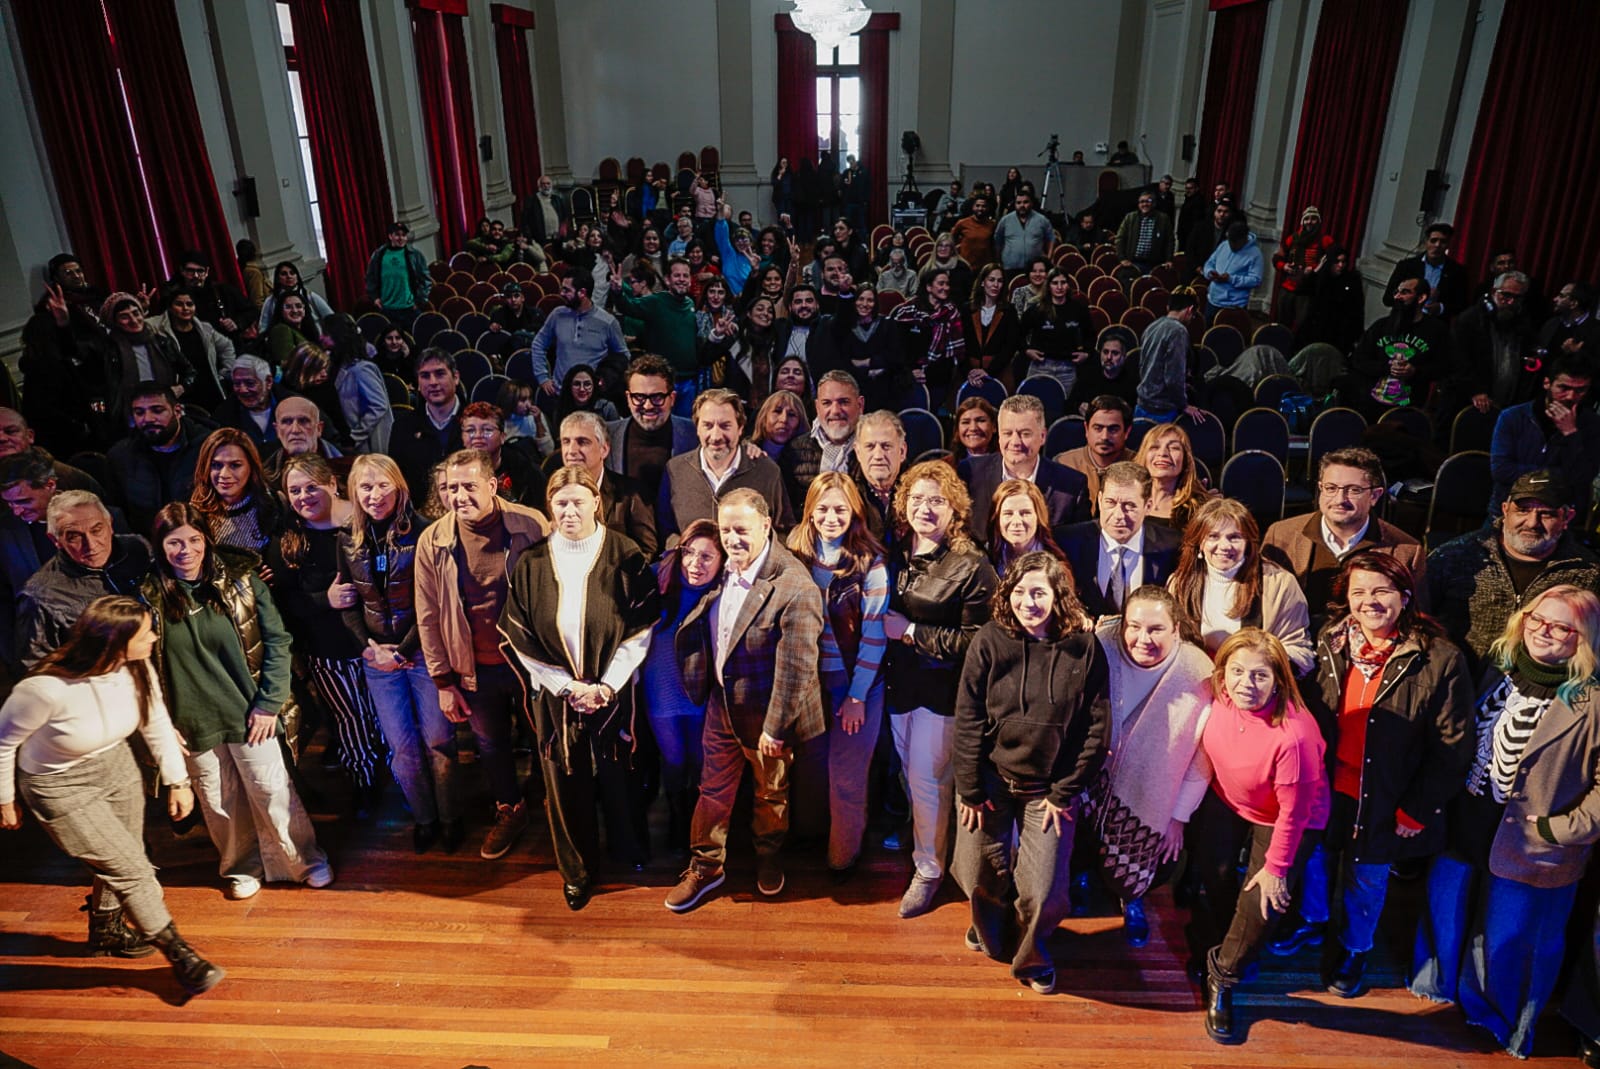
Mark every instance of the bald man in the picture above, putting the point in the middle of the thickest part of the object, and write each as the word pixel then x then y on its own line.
pixel 17 437
pixel 298 424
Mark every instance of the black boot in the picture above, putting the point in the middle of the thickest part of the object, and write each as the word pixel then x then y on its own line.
pixel 1219 1011
pixel 110 936
pixel 195 974
pixel 1349 977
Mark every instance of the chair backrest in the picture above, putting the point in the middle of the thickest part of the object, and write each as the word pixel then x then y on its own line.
pixel 1099 319
pixel 1050 393
pixel 1156 300
pixel 1142 286
pixel 549 303
pixel 710 159
pixel 1472 430
pixel 372 325
pixel 480 293
pixel 488 387
pixel 889 300
pixel 472 366
pixel 519 366
pixel 438 270
pixel 1066 433
pixel 1114 303
pixel 1136 433
pixel 923 431
pixel 660 172
pixel 461 281
pixel 582 201
pixel 1237 318
pixel 990 389
pixel 1276 335
pixel 1099 287
pixel 610 171
pixel 1409 421
pixel 914 395
pixel 1109 181
pixel 634 171
pixel 494 343
pixel 1460 499
pixel 453 308
pixel 472 324
pixel 1084 276
pixel 1225 341
pixel 935 454
pixel 399 393
pixel 686 161
pixel 1271 389
pixel 1207 437
pixel 426 326
pixel 1137 320
pixel 1263 430
pixel 451 341
pixel 462 261
pixel 484 270
pixel 522 272
pixel 1168 275
pixel 1256 479
pixel 1335 428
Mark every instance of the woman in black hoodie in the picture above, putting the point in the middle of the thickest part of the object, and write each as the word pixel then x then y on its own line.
pixel 1032 726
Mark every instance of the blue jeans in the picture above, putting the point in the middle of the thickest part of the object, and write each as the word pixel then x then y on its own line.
pixel 1140 412
pixel 422 743
pixel 1365 887
pixel 492 710
pixel 849 758
pixel 1491 944
pixel 679 740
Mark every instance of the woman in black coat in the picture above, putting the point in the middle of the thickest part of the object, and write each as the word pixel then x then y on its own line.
pixel 1337 314
pixel 869 348
pixel 578 617
pixel 1394 700
pixel 1033 722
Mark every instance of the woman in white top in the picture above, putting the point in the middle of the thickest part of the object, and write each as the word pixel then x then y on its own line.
pixel 579 615
pixel 1222 583
pixel 64 749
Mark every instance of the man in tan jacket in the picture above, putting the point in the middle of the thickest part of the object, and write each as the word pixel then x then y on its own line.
pixel 462 571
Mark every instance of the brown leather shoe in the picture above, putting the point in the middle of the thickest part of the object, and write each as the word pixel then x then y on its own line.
pixel 698 881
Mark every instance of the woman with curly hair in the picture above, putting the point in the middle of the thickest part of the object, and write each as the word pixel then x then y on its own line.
pixel 940 584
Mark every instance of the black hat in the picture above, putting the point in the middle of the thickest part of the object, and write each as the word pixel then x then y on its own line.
pixel 509 288
pixel 1543 486
pixel 397 227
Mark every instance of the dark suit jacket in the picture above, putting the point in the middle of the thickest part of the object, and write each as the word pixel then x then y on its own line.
pixel 1453 291
pixel 684 440
pixel 533 217
pixel 770 672
pixel 1081 543
pixel 1066 492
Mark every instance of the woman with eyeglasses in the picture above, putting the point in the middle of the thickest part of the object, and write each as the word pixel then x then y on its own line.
pixel 1521 834
pixel 940 585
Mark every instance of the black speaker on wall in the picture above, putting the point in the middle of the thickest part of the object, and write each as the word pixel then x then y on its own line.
pixel 249 203
pixel 1188 148
pixel 1433 187
pixel 486 148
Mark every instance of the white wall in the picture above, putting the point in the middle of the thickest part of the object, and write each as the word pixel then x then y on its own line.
pixel 640 80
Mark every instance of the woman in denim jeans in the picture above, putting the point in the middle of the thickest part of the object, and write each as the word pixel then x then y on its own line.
pixel 376 555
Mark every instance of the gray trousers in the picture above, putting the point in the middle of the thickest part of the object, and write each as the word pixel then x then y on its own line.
pixel 95 812
pixel 1017 902
pixel 849 757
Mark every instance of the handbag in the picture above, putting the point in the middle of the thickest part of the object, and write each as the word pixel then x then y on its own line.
pixel 1129 849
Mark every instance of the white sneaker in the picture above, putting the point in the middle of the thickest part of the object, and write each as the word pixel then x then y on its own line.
pixel 320 876
pixel 241 887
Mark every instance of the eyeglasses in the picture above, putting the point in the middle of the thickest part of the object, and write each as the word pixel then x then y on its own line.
pixel 1556 630
pixel 918 501
pixel 1335 490
pixel 648 400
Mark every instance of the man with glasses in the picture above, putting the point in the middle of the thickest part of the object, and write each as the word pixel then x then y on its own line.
pixel 651 435
pixel 669 326
pixel 1349 486
pixel 1496 362
pixel 1145 237
pixel 1476 581
pixel 217 303
pixel 1556 431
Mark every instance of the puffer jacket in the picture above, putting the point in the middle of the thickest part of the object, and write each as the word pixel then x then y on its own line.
pixel 1419 741
pixel 1036 712
pixel 389 615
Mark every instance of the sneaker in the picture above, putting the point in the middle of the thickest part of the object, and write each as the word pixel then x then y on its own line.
pixel 242 887
pixel 320 876
pixel 509 823
pixel 769 876
pixel 697 882
pixel 1044 983
pixel 970 940
pixel 919 897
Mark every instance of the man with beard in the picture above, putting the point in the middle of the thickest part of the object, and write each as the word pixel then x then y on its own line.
pixel 424 436
pixel 1496 366
pixel 831 444
pixel 1399 355
pixel 694 482
pixel 130 352
pixel 805 333
pixel 1447 279
pixel 1145 237
pixel 1296 259
pixel 838 288
pixel 1209 232
pixel 1112 373
pixel 155 464
pixel 253 405
pixel 1022 234
pixel 974 235
pixel 58 367
pixel 1194 208
pixel 669 326
pixel 1087 233
pixel 1557 431
pixel 90 561
pixel 217 303
pixel 1106 426
pixel 1476 582
pixel 575 333
pixel 651 435
pixel 1573 328
pixel 1502 261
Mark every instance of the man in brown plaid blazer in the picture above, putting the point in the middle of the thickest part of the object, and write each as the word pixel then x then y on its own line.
pixel 749 653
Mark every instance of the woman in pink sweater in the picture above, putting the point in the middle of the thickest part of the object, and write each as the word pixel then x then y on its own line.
pixel 1269 790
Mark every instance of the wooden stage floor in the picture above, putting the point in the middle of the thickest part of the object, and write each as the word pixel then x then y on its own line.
pixel 444 962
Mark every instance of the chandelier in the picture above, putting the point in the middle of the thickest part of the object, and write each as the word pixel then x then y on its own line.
pixel 830 22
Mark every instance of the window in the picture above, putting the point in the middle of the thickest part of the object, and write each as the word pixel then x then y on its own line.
pixel 839 100
pixel 302 132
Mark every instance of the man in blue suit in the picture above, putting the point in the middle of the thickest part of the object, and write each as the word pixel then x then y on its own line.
pixel 1115 556
pixel 1020 439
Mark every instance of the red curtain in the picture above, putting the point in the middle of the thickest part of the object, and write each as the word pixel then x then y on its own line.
pixel 1342 120
pixel 346 149
pixel 445 83
pixel 89 142
pixel 797 94
pixel 875 117
pixel 1232 75
pixel 516 95
pixel 1534 160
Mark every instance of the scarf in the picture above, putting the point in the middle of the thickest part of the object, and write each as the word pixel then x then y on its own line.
pixel 1367 658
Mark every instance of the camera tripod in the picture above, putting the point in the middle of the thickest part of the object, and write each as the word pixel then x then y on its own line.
pixel 1052 178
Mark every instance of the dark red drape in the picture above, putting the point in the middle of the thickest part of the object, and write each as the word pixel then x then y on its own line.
pixel 1343 117
pixel 90 145
pixel 346 149
pixel 516 95
pixel 875 119
pixel 797 93
pixel 148 44
pixel 445 83
pixel 1534 161
pixel 1232 75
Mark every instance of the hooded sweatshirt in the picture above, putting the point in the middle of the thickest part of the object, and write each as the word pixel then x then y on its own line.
pixel 1243 269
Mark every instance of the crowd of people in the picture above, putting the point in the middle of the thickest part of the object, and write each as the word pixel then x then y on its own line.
pixel 694 545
